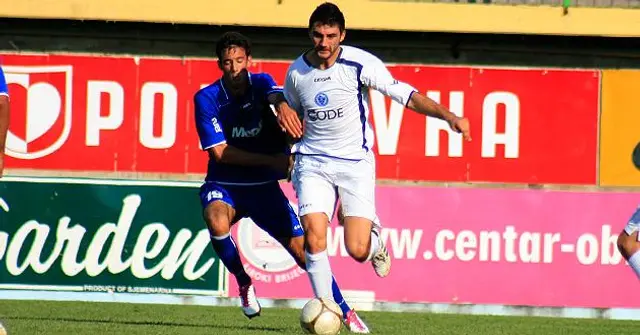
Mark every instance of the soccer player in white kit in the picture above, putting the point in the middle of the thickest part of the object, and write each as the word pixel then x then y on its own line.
pixel 629 242
pixel 329 85
pixel 629 238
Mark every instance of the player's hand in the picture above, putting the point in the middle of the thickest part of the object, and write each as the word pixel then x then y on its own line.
pixel 289 121
pixel 461 125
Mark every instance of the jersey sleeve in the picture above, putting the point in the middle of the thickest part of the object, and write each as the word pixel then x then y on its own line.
pixel 4 90
pixel 268 85
pixel 208 124
pixel 376 75
pixel 290 92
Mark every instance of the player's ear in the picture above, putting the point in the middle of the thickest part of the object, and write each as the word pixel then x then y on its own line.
pixel 220 64
pixel 249 60
pixel 342 35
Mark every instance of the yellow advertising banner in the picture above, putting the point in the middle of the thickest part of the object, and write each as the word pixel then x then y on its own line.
pixel 360 14
pixel 620 128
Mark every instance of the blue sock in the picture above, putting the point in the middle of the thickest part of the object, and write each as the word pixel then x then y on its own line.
pixel 226 249
pixel 339 299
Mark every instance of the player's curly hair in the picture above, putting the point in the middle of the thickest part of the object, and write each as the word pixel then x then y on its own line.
pixel 328 14
pixel 232 38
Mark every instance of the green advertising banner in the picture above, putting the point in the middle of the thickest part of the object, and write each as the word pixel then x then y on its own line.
pixel 105 236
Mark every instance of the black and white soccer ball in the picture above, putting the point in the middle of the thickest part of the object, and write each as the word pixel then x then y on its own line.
pixel 321 316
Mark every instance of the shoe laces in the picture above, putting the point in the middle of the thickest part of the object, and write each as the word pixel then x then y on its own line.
pixel 352 319
pixel 381 254
pixel 245 294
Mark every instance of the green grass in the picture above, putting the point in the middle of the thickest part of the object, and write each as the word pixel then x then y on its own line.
pixel 76 318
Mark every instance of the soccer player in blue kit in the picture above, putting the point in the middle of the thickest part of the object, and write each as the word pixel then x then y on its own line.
pixel 248 155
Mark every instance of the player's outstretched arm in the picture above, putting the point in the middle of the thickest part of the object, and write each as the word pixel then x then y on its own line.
pixel 4 118
pixel 426 106
pixel 375 74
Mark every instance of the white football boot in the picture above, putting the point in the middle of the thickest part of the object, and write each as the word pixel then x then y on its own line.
pixel 381 261
pixel 250 305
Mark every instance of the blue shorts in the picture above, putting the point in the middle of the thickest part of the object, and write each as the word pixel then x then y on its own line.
pixel 265 204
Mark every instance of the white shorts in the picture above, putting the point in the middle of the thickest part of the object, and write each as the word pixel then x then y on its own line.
pixel 319 181
pixel 634 224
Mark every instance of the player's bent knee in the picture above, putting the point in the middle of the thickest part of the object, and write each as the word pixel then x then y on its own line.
pixel 357 237
pixel 358 250
pixel 315 232
pixel 218 216
pixel 315 242
pixel 628 244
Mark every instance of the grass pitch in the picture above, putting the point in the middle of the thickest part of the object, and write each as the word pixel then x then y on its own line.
pixel 77 318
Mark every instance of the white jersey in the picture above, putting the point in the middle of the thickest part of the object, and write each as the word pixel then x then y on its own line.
pixel 335 102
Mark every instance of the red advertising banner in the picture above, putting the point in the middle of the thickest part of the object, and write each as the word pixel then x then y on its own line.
pixel 135 114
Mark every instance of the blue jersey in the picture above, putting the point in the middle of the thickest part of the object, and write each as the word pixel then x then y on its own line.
pixel 247 123
pixel 3 84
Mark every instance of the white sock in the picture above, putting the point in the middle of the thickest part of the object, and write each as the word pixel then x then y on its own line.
pixel 375 244
pixel 319 271
pixel 634 262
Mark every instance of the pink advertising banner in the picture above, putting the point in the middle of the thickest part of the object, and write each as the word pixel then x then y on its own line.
pixel 478 246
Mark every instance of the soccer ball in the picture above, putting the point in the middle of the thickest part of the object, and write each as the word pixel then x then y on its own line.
pixel 321 316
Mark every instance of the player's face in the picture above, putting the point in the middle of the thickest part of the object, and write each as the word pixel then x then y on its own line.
pixel 234 63
pixel 326 40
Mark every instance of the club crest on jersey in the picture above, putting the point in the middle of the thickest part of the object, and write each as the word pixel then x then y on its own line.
pixel 321 99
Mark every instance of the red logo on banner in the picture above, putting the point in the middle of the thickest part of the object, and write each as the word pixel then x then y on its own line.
pixel 41 107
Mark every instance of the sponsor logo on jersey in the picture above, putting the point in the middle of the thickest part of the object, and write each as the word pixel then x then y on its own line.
pixel 321 115
pixel 244 132
pixel 216 125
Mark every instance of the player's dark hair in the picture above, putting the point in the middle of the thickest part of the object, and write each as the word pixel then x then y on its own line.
pixel 328 14
pixel 232 38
